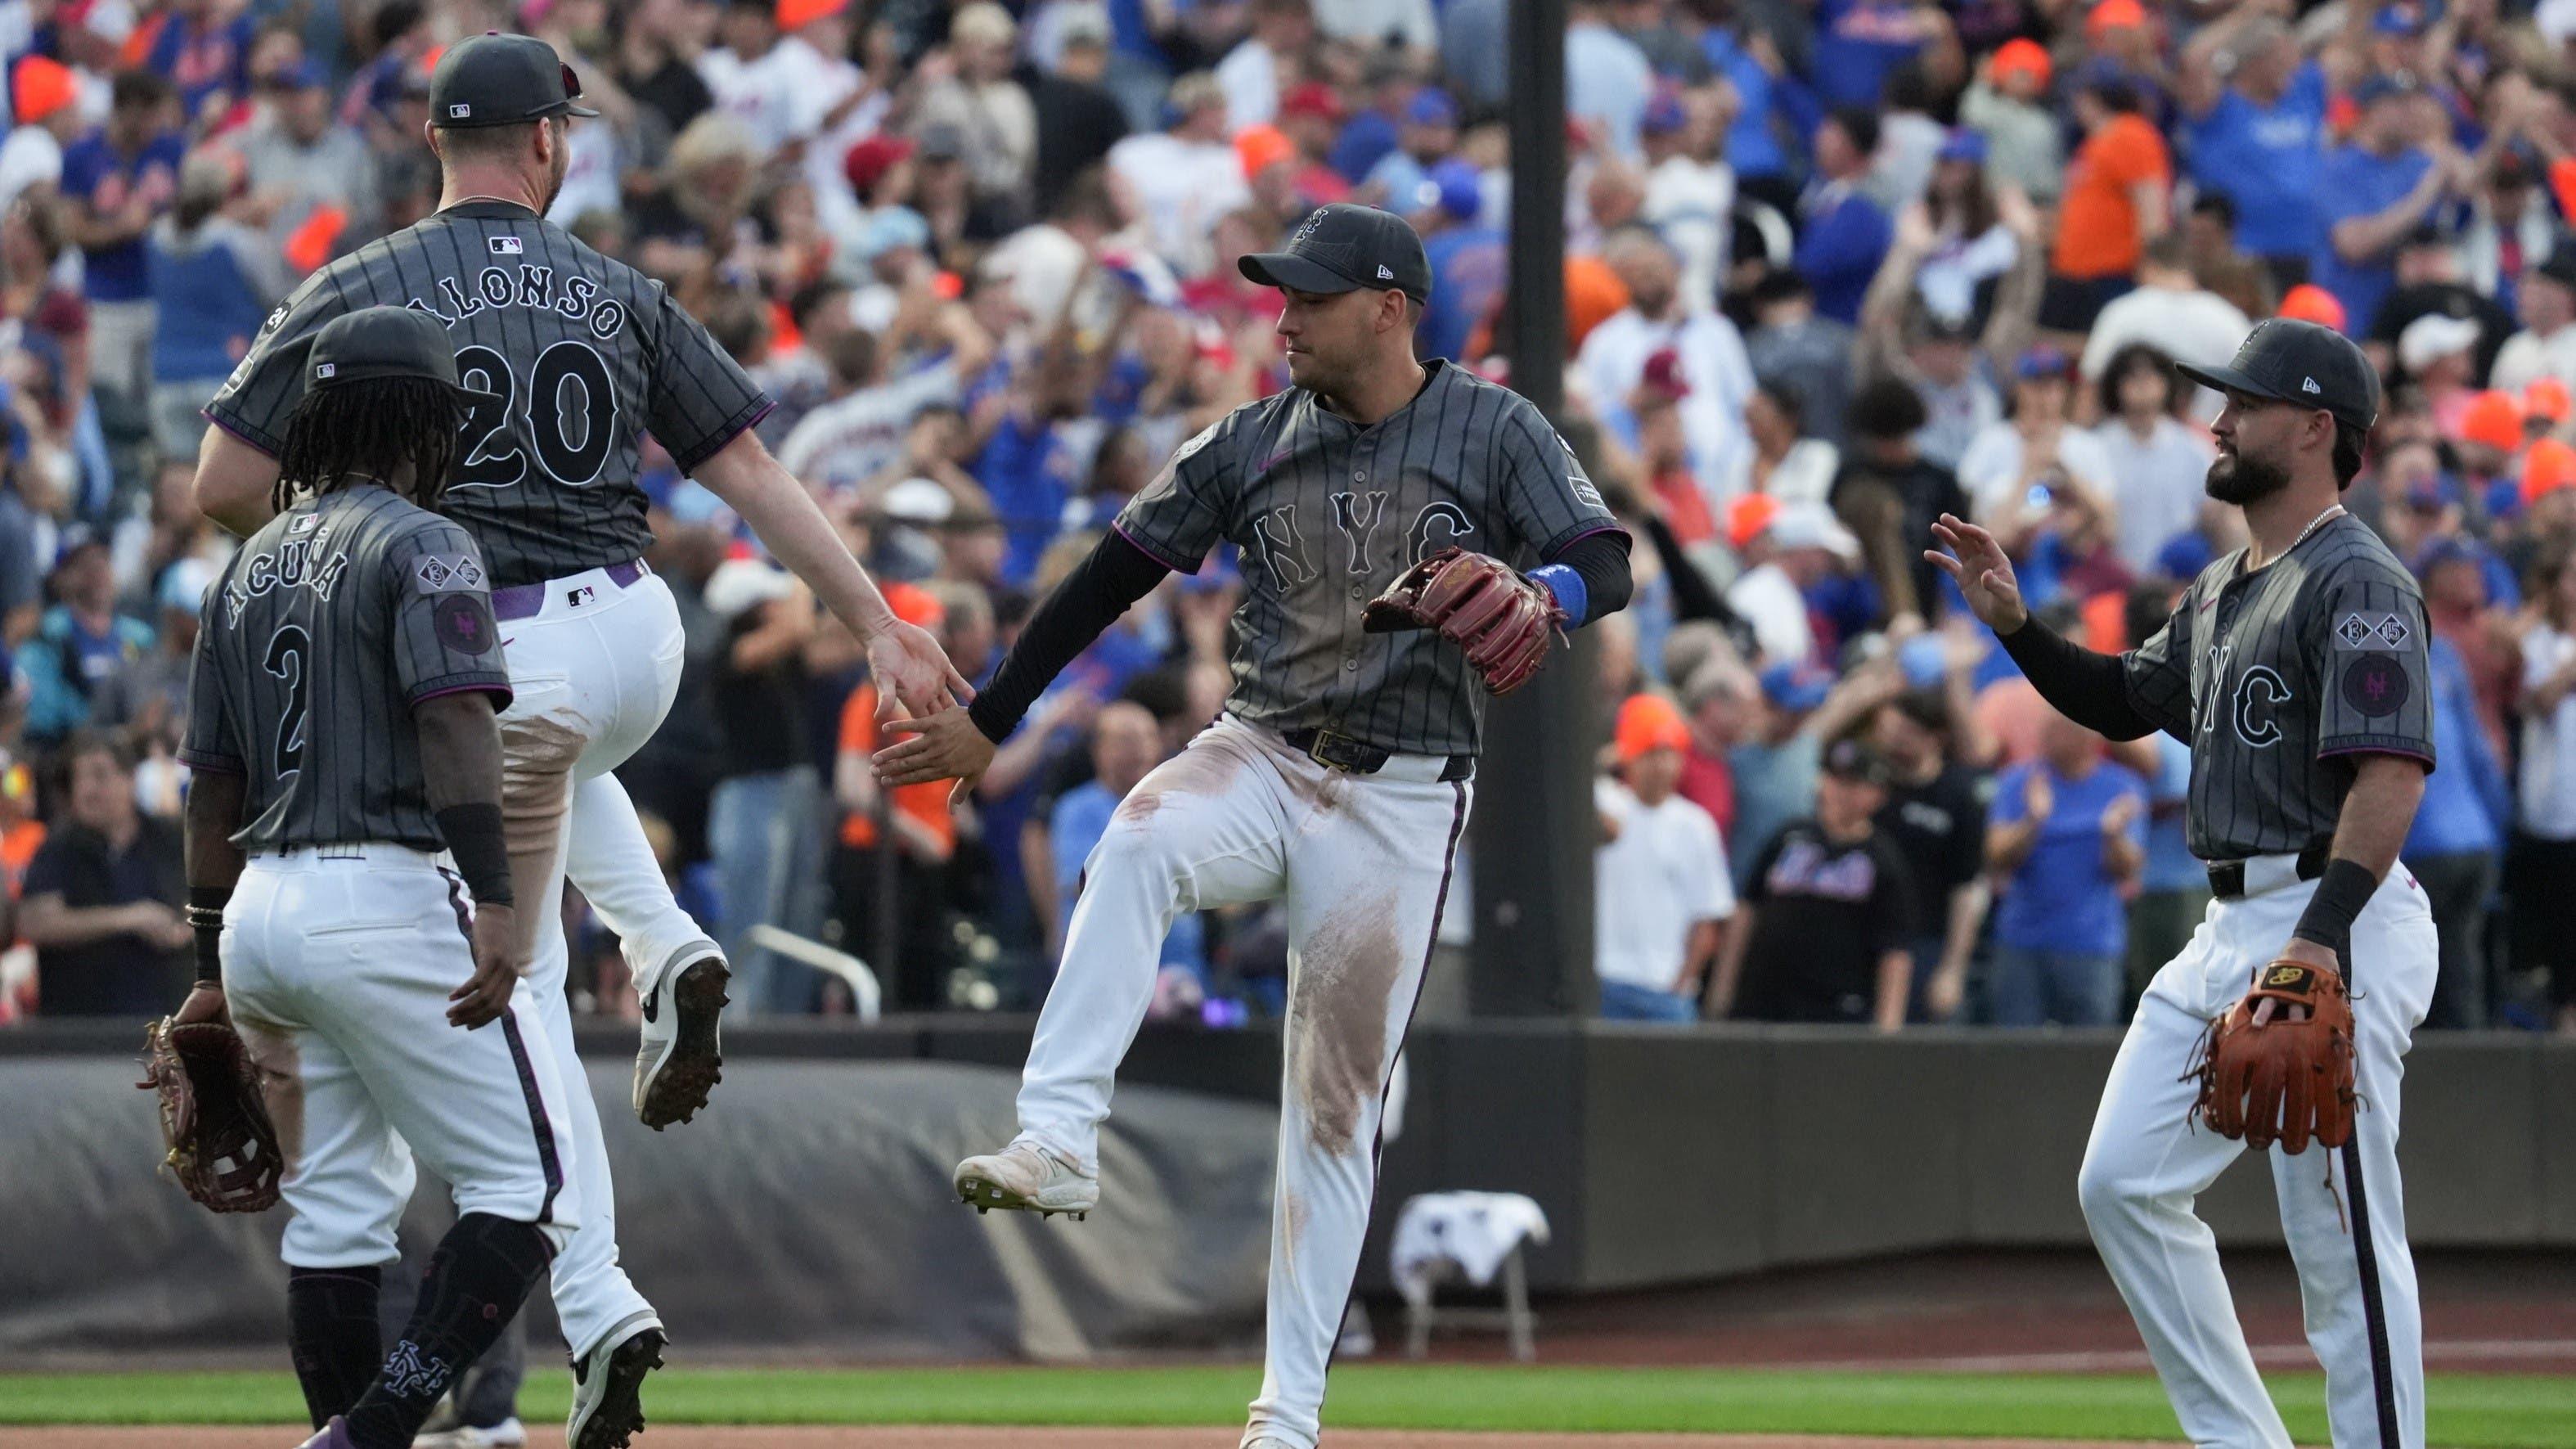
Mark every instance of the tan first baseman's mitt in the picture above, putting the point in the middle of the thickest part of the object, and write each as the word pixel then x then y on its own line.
pixel 1503 620
pixel 214 1119
pixel 2286 1081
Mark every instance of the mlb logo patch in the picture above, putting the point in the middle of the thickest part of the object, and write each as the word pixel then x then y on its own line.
pixel 580 596
pixel 507 246
pixel 304 525
pixel 459 111
pixel 327 369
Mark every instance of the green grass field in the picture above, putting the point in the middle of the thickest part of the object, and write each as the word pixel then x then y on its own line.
pixel 2469 1412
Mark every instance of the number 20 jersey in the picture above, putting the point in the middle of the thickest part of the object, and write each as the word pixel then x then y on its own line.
pixel 582 353
pixel 325 631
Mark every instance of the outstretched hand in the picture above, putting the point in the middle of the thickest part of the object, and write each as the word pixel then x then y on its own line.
pixel 1982 570
pixel 914 672
pixel 943 746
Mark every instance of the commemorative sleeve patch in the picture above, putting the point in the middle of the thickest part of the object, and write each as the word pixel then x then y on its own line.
pixel 439 573
pixel 2375 685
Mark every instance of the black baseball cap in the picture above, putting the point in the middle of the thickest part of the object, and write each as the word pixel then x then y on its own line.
pixel 2300 363
pixel 1345 248
pixel 501 80
pixel 374 343
pixel 1850 758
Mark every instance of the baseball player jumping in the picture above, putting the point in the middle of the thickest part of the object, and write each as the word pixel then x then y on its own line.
pixel 578 355
pixel 341 729
pixel 1338 778
pixel 2296 670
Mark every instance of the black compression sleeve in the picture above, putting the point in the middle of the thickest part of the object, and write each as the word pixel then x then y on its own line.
pixel 473 835
pixel 1602 560
pixel 2088 688
pixel 1101 587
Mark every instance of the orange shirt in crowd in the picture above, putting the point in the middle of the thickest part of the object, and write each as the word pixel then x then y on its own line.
pixel 927 802
pixel 2097 221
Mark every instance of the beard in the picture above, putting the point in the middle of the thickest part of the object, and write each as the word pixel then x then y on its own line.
pixel 2238 479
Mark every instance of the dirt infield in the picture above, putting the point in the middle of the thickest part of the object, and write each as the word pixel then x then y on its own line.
pixel 702 1437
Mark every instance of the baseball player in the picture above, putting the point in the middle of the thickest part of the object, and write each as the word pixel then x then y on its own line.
pixel 2296 670
pixel 578 355
pixel 1338 778
pixel 347 676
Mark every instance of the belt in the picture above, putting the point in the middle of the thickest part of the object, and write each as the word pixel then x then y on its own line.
pixel 523 601
pixel 2228 878
pixel 1354 757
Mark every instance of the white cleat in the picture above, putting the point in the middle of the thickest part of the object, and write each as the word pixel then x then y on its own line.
pixel 508 1434
pixel 607 1398
pixel 680 1060
pixel 1025 1177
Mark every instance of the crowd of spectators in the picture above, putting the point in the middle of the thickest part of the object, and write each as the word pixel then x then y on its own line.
pixel 1834 267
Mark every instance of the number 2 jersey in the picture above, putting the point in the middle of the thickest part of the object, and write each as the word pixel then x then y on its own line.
pixel 582 354
pixel 324 632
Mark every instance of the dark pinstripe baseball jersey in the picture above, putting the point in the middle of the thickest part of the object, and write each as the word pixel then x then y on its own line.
pixel 2270 676
pixel 323 633
pixel 586 353
pixel 1327 513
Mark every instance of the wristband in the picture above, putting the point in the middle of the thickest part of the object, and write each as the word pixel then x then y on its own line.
pixel 473 836
pixel 2341 893
pixel 206 917
pixel 1572 594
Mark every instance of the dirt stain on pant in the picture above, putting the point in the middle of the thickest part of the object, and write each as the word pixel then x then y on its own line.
pixel 281 1083
pixel 1338 1005
pixel 537 758
pixel 1206 768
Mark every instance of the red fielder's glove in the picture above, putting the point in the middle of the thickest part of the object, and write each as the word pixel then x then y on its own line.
pixel 2285 1080
pixel 1477 602
pixel 214 1117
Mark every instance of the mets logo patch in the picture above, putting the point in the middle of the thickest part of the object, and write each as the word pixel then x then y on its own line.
pixel 463 623
pixel 2375 685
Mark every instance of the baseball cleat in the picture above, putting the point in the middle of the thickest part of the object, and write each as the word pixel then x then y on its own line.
pixel 334 1435
pixel 1025 1177
pixel 681 1059
pixel 508 1434
pixel 607 1403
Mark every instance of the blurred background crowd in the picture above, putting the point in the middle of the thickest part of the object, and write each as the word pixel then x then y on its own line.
pixel 1834 267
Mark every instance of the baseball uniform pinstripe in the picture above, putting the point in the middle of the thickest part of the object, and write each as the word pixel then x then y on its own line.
pixel 1327 514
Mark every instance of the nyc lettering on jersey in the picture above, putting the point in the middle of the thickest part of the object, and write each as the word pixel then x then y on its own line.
pixel 292 566
pixel 527 287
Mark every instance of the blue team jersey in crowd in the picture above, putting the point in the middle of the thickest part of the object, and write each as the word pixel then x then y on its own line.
pixel 93 172
pixel 2063 898
pixel 2265 159
pixel 1470 266
pixel 2358 183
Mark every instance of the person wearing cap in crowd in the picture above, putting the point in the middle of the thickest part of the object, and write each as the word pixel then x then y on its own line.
pixel 2008 105
pixel 1955 240
pixel 1252 74
pixel 1661 317
pixel 2308 302
pixel 1935 816
pixel 2037 442
pixel 2254 130
pixel 117 180
pixel 1690 188
pixel 2066 838
pixel 2438 352
pixel 2546 492
pixel 1801 546
pixel 1827 911
pixel 1470 261
pixel 1429 135
pixel 45 102
pixel 2546 345
pixel 2428 281
pixel 2174 314
pixel 1663 896
pixel 2541 871
pixel 2512 227
pixel 2375 190
pixel 2487 440
pixel 2461 829
pixel 1791 710
pixel 1078 116
pixel 2118 198
pixel 1179 180
pixel 1662 451
pixel 1890 485
pixel 2546 405
pixel 1842 234
pixel 78 642
pixel 985 104
pixel 306 169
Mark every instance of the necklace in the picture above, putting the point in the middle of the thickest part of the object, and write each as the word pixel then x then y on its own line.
pixel 2333 511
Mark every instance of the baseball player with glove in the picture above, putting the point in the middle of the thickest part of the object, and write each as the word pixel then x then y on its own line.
pixel 576 356
pixel 2296 670
pixel 1381 506
pixel 341 730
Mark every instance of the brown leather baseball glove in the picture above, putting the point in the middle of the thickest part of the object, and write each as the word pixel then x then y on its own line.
pixel 1504 621
pixel 2286 1081
pixel 223 1148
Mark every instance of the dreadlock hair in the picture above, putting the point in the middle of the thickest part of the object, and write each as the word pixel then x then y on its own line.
pixel 369 429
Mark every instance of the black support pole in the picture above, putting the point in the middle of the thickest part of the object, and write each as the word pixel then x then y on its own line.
pixel 1534 835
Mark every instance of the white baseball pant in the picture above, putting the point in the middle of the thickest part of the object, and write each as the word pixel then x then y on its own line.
pixel 1362 863
pixel 338 961
pixel 2147 1161
pixel 593 671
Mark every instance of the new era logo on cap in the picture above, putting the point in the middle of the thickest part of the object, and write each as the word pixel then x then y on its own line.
pixel 2310 385
pixel 459 111
pixel 1383 274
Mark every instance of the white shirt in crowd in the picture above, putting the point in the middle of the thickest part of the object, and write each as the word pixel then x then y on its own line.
pixel 30 157
pixel 1180 189
pixel 844 443
pixel 2525 358
pixel 2156 485
pixel 1692 204
pixel 1991 468
pixel 1372 21
pixel 1805 474
pixel 2547 789
pixel 784 95
pixel 1249 76
pixel 2201 328
pixel 1713 363
pixel 1664 874
pixel 1765 598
